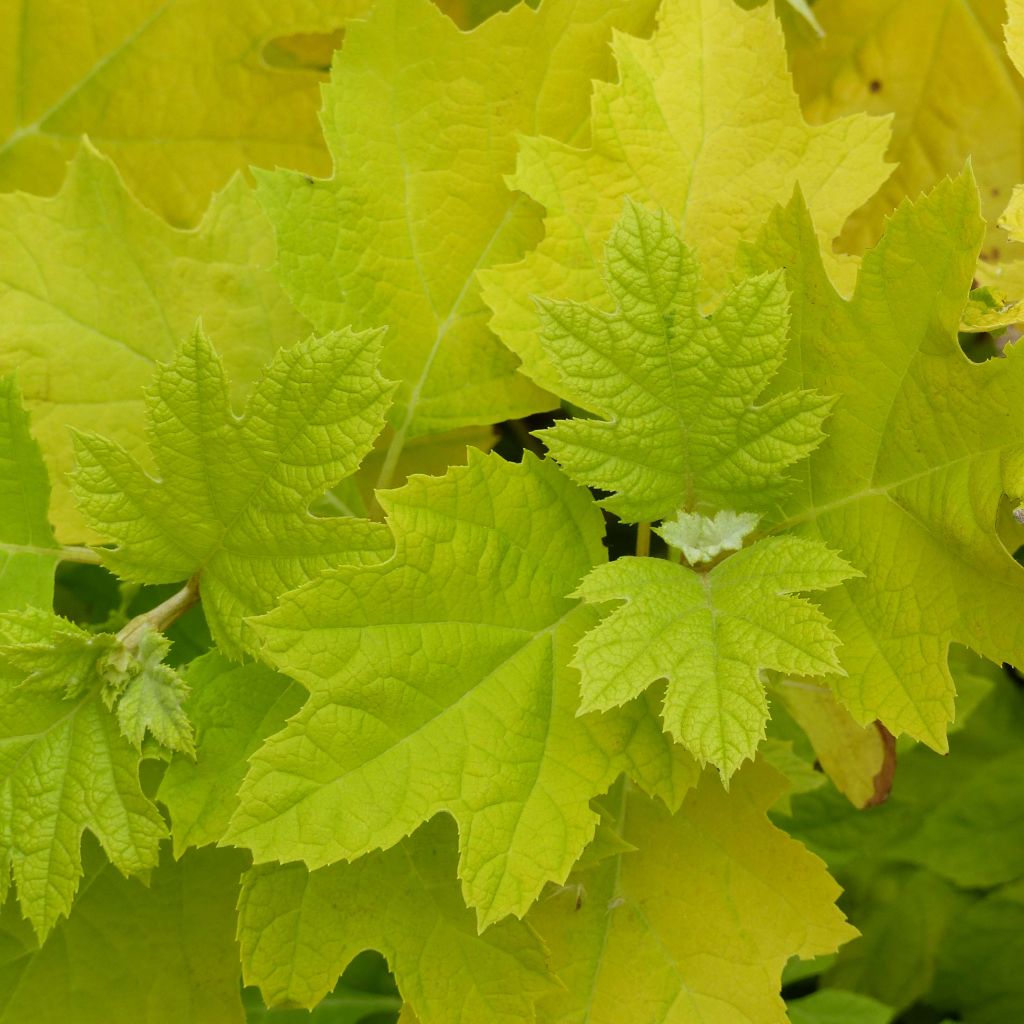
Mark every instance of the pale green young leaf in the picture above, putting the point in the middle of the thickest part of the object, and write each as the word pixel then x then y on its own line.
pixel 710 635
pixel 704 538
pixel 430 692
pixel 230 498
pixel 702 122
pixel 422 120
pixel 233 708
pixel 698 922
pixel 921 451
pixel 677 393
pixel 64 767
pixel 162 952
pixel 119 292
pixel 179 94
pixel 26 567
pixel 299 929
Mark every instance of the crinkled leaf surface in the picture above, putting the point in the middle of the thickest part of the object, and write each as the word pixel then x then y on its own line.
pixel 920 451
pixel 234 708
pixel 676 392
pixel 710 635
pixel 298 930
pixel 952 92
pixel 26 570
pixel 178 93
pixel 704 538
pixel 94 290
pixel 702 122
pixel 64 768
pixel 162 953
pixel 696 923
pixel 230 496
pixel 439 681
pixel 422 121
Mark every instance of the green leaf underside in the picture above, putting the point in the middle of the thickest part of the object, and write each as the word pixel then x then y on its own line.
pixel 429 692
pixel 676 391
pixel 418 202
pixel 162 952
pixel 64 767
pixel 230 499
pixel 26 571
pixel 81 357
pixel 702 122
pixel 697 922
pixel 920 452
pixel 710 635
pixel 298 930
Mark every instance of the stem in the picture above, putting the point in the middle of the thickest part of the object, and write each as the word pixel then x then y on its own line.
pixel 162 616
pixel 643 540
pixel 71 553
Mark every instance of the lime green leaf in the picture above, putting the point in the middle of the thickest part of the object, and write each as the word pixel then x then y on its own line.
pixel 418 202
pixel 710 635
pixel 177 93
pixel 298 930
pixel 82 358
pixel 64 767
pixel 668 133
pixel 163 953
pixel 703 538
pixel 989 311
pixel 230 502
pixel 234 708
pixel 431 693
pixel 698 923
pixel 26 567
pixel 836 1006
pixel 952 93
pixel 920 452
pixel 675 391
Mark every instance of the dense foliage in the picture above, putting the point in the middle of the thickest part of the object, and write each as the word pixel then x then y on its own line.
pixel 538 549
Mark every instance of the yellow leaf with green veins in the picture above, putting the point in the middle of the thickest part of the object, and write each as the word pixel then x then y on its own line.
pixel 120 291
pixel 179 94
pixel 698 921
pixel 703 122
pixel 229 502
pixel 422 120
pixel 922 449
pixel 430 693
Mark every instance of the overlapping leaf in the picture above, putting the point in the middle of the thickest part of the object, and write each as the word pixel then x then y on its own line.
pixel 179 94
pixel 230 501
pixel 677 392
pixel 94 290
pixel 430 692
pixel 710 635
pixel 702 122
pixel 921 451
pixel 422 120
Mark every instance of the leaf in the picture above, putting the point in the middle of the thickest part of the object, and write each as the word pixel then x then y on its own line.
pixel 710 635
pixel 298 930
pixel 230 500
pixel 835 1006
pixel 953 95
pixel 178 94
pixel 64 768
pixel 163 953
pixel 431 691
pixel 698 922
pixel 234 709
pixel 26 567
pixel 418 202
pixel 859 759
pixel 713 137
pixel 921 449
pixel 702 538
pixel 675 390
pixel 119 292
